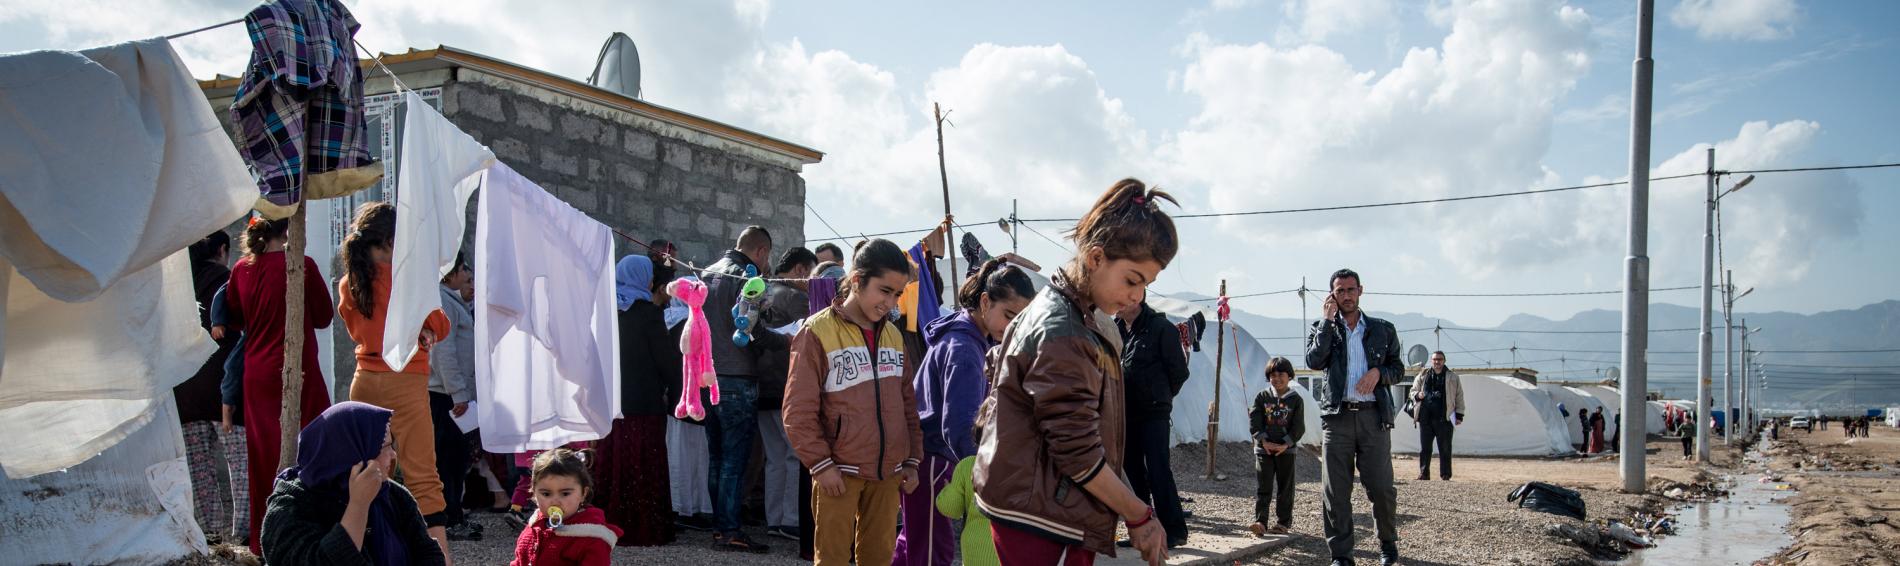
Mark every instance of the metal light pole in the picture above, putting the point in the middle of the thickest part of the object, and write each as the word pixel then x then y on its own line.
pixel 1636 265
pixel 1705 342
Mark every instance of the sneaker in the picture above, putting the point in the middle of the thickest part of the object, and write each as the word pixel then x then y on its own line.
pixel 464 532
pixel 788 533
pixel 738 542
pixel 517 519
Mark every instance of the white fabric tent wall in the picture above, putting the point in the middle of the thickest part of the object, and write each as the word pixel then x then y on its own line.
pixel 1572 401
pixel 129 505
pixel 1654 419
pixel 1504 416
pixel 1243 377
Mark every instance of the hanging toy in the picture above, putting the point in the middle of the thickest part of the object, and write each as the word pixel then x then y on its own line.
pixel 745 312
pixel 696 367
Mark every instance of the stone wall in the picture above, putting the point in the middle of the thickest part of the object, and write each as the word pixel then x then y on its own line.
pixel 629 174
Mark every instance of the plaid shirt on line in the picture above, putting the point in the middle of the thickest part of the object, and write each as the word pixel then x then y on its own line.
pixel 301 102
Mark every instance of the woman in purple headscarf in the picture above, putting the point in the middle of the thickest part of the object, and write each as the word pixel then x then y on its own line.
pixel 337 505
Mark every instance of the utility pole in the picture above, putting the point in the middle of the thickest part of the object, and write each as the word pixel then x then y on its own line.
pixel 1220 352
pixel 1706 342
pixel 949 231
pixel 1015 226
pixel 1438 336
pixel 1728 357
pixel 1636 265
pixel 1743 419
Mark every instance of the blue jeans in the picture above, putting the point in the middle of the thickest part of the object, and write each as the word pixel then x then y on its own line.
pixel 730 429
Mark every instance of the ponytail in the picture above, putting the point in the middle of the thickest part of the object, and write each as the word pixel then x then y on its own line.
pixel 1127 223
pixel 999 280
pixel 374 227
pixel 259 232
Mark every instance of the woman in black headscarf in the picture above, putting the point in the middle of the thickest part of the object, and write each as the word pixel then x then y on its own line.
pixel 337 505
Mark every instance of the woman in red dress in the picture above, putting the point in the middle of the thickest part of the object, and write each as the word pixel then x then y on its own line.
pixel 256 294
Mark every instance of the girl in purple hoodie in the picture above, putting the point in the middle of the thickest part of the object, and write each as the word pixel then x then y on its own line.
pixel 950 385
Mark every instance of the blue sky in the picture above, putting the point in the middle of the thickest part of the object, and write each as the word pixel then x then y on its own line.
pixel 1248 105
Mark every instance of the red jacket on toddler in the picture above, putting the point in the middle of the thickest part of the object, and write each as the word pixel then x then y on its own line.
pixel 583 539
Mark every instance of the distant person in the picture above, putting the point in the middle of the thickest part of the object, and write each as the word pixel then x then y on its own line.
pixel 829 253
pixel 1154 367
pixel 1686 432
pixel 1277 422
pixel 1360 355
pixel 451 393
pixel 784 303
pixel 1583 416
pixel 1596 431
pixel 1823 422
pixel 1441 407
pixel 216 453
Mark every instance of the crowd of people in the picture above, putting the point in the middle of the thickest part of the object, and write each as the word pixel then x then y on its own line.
pixel 1017 427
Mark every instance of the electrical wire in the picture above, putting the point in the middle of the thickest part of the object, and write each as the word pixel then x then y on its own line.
pixel 1548 294
pixel 821 219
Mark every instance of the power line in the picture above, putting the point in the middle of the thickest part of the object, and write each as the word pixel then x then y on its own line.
pixel 1393 204
pixel 1548 294
pixel 821 219
pixel 1461 349
pixel 1503 331
pixel 1033 230
pixel 1830 366
pixel 1874 351
pixel 1804 169
pixel 1248 296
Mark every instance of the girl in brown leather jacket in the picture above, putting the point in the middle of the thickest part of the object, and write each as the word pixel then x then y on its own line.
pixel 1048 469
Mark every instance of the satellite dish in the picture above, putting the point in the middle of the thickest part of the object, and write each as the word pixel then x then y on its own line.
pixel 1615 374
pixel 618 66
pixel 1417 356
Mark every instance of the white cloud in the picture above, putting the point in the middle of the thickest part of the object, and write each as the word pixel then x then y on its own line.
pixel 1300 127
pixel 1751 20
pixel 1610 107
pixel 1319 19
pixel 1231 4
pixel 1773 228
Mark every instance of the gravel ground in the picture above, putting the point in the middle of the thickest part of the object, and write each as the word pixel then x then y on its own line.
pixel 691 547
pixel 1465 521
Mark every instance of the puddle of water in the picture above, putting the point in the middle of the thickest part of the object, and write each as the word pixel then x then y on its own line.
pixel 1745 527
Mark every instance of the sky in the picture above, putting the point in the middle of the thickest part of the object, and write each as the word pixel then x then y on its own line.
pixel 1248 105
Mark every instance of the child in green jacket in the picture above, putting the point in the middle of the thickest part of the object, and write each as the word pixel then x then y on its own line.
pixel 958 502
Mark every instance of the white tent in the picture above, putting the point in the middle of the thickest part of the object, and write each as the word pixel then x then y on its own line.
pixel 1571 400
pixel 129 505
pixel 1243 376
pixel 1504 416
pixel 1654 419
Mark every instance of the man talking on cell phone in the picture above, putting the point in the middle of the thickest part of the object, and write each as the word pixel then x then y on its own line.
pixel 1360 356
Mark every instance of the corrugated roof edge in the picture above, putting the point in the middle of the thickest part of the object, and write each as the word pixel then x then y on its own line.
pixel 571 87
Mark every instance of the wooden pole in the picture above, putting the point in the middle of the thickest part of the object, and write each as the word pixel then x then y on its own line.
pixel 1213 411
pixel 291 421
pixel 949 234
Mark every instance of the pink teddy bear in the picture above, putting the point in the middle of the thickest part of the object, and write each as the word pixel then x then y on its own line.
pixel 696 369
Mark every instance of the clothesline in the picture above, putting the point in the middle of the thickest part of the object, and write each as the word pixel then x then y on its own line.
pixel 204 29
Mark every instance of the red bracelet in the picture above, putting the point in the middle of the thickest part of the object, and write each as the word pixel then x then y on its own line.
pixel 1132 525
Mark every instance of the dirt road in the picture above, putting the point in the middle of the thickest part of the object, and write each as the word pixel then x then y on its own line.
pixel 1848 509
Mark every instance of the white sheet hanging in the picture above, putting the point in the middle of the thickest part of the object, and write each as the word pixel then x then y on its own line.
pixel 111 163
pixel 130 505
pixel 82 376
pixel 110 160
pixel 546 318
pixel 441 167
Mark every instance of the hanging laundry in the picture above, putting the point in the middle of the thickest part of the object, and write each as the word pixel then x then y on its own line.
pixel 442 167
pixel 83 376
pixel 922 297
pixel 822 291
pixel 973 254
pixel 545 316
pixel 110 161
pixel 300 106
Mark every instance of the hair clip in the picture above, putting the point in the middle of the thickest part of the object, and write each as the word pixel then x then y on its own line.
pixel 253 222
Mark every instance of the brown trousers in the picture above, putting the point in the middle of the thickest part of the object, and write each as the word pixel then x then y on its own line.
pixel 412 428
pixel 866 514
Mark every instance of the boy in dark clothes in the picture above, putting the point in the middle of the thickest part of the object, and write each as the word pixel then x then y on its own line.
pixel 1277 420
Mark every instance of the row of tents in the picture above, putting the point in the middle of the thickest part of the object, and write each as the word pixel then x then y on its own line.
pixel 1505 415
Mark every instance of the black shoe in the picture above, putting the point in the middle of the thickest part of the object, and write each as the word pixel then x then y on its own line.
pixel 464 531
pixel 1424 476
pixel 517 520
pixel 1174 543
pixel 1342 562
pixel 738 542
pixel 1388 554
